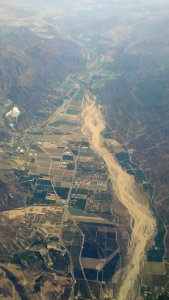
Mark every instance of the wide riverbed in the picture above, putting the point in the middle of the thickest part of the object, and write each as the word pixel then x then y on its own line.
pixel 128 193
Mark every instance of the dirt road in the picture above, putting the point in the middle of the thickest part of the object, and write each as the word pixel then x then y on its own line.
pixel 128 193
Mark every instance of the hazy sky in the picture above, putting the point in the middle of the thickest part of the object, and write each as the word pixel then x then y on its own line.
pixel 16 10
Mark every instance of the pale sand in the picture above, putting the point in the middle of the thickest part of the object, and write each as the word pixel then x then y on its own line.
pixel 128 193
pixel 21 212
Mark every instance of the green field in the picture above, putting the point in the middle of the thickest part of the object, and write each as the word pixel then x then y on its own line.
pixel 72 112
pixel 79 95
pixel 77 212
pixel 36 148
pixel 62 123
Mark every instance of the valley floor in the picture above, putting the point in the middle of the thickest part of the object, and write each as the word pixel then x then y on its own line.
pixel 127 191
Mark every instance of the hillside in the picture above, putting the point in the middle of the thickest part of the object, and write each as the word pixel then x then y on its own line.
pixel 32 64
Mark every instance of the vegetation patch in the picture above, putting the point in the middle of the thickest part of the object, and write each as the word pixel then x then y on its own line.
pixel 62 123
pixel 77 212
pixel 122 156
pixel 60 260
pixel 44 182
pixel 62 192
pixel 36 148
pixel 72 112
pixel 28 258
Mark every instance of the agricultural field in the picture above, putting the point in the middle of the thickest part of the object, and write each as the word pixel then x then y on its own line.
pixel 84 150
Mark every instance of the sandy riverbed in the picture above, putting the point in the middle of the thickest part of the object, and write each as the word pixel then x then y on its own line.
pixel 128 193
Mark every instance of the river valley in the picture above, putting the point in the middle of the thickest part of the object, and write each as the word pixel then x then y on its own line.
pixel 128 193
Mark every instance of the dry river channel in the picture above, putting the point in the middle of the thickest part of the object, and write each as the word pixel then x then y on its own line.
pixel 128 193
